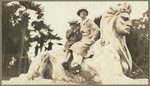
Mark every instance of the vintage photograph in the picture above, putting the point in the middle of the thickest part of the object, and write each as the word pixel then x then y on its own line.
pixel 75 43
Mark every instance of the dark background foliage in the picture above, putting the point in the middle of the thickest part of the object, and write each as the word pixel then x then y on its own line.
pixel 138 44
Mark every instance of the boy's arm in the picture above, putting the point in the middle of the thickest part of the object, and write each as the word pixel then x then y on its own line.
pixel 79 35
pixel 69 33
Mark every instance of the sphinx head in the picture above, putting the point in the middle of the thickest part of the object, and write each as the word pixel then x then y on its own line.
pixel 115 21
pixel 122 24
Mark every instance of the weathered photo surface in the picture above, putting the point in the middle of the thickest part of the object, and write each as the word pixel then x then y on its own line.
pixel 75 42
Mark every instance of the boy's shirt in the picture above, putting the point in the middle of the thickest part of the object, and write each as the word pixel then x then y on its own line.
pixel 72 37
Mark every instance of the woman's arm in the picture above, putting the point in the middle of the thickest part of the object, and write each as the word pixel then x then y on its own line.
pixel 96 31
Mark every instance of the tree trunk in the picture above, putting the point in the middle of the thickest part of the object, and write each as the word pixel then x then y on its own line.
pixel 23 31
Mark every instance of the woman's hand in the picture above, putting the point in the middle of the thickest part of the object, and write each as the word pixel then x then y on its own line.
pixel 90 42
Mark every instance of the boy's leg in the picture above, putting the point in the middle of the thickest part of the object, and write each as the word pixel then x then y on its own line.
pixel 65 63
pixel 68 55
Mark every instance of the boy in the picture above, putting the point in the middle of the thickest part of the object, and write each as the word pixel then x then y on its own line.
pixel 72 35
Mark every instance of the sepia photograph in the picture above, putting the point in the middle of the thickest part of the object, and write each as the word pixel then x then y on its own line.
pixel 75 43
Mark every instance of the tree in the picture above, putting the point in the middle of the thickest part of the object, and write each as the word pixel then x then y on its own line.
pixel 16 33
pixel 9 37
pixel 97 21
pixel 137 42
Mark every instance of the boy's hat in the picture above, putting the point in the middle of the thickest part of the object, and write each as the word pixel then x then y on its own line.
pixel 73 21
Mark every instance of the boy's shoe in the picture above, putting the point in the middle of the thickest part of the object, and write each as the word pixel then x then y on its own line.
pixel 65 65
pixel 76 69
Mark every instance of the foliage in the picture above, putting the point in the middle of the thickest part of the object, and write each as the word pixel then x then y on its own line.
pixel 97 21
pixel 16 17
pixel 16 34
pixel 138 46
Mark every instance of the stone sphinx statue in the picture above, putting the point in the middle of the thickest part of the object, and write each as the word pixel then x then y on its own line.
pixel 111 63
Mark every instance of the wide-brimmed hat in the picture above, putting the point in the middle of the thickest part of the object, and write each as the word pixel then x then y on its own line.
pixel 82 8
pixel 73 21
